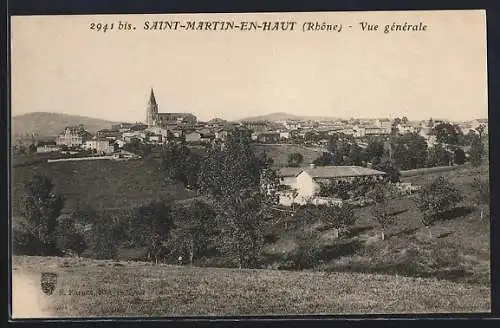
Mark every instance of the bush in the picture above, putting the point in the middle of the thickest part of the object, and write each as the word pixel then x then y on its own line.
pixel 436 198
pixel 68 240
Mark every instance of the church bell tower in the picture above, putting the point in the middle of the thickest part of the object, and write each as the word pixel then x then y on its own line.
pixel 152 110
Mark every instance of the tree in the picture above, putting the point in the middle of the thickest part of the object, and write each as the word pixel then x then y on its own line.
pixel 436 198
pixel 241 220
pixel 32 148
pixel 446 133
pixel 402 156
pixel 404 120
pixel 476 151
pixel 68 239
pixel 438 156
pixel 483 196
pixel 459 156
pixel 324 159
pixel 394 128
pixel 382 211
pixel 234 177
pixel 84 215
pixel 391 170
pixel 338 216
pixel 480 129
pixel 41 207
pixel 295 159
pixel 150 226
pixel 355 156
pixel 195 230
pixel 104 239
pixel 410 151
pixel 374 151
pixel 180 164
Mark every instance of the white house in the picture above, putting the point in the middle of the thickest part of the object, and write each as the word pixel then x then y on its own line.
pixel 358 132
pixel 285 135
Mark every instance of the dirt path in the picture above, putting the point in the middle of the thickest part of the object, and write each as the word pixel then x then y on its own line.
pixel 28 300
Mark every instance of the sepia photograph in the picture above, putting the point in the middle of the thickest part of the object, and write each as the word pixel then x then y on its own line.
pixel 250 164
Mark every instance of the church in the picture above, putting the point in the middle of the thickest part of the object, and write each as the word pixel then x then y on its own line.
pixel 164 120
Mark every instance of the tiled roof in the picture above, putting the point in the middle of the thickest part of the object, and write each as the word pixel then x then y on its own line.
pixel 341 171
pixel 290 171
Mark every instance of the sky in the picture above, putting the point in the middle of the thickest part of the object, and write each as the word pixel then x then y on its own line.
pixel 59 65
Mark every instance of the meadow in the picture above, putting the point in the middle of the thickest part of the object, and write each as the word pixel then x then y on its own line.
pixel 108 288
pixel 102 184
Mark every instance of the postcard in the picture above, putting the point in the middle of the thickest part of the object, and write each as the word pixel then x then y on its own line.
pixel 250 164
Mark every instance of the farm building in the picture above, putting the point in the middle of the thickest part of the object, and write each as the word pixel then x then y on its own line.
pixel 305 185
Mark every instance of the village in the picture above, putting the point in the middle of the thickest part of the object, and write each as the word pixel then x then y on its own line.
pixel 300 182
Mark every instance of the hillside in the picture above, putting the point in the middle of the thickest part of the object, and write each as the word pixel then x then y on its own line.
pixel 284 116
pixel 51 124
pixel 102 183
pixel 91 288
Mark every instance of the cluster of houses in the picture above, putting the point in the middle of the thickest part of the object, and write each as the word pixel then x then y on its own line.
pixel 161 128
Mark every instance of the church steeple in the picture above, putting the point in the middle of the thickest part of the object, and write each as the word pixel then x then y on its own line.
pixel 152 100
pixel 152 110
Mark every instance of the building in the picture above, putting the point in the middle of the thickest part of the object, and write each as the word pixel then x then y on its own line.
pixel 303 185
pixel 122 126
pixel 374 131
pixel 73 136
pixel 221 134
pixel 269 137
pixel 101 146
pixel 256 126
pixel 193 137
pixel 108 133
pixel 154 118
pixel 47 148
pixel 358 131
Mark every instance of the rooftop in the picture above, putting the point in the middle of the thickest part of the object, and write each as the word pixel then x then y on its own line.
pixel 330 171
pixel 290 171
pixel 341 171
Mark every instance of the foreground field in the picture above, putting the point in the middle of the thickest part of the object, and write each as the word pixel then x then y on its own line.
pixel 107 288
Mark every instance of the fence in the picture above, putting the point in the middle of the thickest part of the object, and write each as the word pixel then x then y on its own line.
pixel 79 159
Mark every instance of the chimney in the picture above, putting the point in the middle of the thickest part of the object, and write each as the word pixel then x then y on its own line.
pixel 312 166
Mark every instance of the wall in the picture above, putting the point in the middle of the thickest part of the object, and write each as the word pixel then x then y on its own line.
pixel 306 187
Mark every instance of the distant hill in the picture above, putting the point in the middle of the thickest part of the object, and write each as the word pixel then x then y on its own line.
pixel 280 116
pixel 52 124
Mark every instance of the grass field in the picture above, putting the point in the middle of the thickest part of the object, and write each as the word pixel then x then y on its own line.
pixel 279 153
pixel 106 288
pixel 102 184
